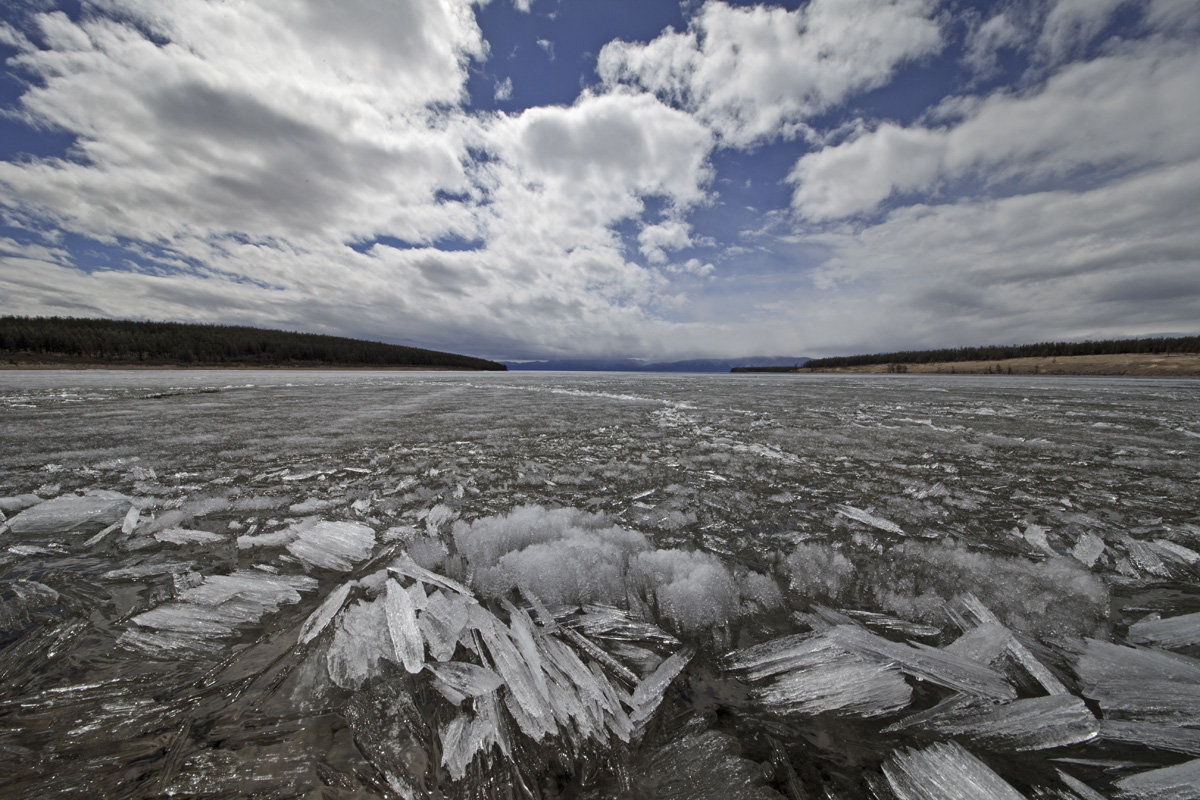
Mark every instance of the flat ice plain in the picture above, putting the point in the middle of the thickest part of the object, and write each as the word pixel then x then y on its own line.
pixel 360 585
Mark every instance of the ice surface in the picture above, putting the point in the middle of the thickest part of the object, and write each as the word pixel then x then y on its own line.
pixel 719 509
pixel 944 771
pixel 72 513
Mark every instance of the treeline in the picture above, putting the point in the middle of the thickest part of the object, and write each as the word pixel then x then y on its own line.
pixel 1157 344
pixel 117 342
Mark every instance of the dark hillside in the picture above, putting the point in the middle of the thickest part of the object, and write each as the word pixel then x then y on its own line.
pixel 68 341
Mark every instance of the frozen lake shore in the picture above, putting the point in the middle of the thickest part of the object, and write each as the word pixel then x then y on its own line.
pixel 353 585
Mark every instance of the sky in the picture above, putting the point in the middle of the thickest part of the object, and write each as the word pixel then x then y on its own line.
pixel 522 179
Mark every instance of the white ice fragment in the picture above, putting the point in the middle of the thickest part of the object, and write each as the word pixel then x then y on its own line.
pixel 274 539
pixel 866 518
pixel 471 680
pixel 1088 548
pixel 407 643
pixel 1036 536
pixel 846 685
pixel 456 746
pixel 1176 552
pixel 1037 723
pixel 1145 559
pixel 332 545
pixel 129 524
pixel 649 693
pixel 184 536
pixel 442 622
pixel 359 643
pixel 1172 632
pixel 944 771
pixel 1180 782
pixel 72 513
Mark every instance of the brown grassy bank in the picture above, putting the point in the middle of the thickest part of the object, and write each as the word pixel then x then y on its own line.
pixel 1176 365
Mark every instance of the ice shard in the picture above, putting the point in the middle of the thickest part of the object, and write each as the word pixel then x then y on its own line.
pixel 1171 632
pixel 332 545
pixel 408 646
pixel 72 513
pixel 927 663
pixel 320 619
pixel 471 680
pixel 1036 723
pixel 846 685
pixel 944 771
pixel 1180 782
pixel 649 692
pixel 1141 683
pixel 867 518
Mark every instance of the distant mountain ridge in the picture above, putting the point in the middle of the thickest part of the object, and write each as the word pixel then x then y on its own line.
pixel 634 365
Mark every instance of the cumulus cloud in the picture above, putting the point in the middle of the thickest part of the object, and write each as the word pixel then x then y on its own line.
pixel 1110 261
pixel 1132 109
pixel 269 120
pixel 760 72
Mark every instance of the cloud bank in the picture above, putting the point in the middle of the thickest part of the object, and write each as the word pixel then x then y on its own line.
pixel 326 167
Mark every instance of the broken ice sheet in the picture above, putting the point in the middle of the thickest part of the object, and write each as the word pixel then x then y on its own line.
pixel 945 771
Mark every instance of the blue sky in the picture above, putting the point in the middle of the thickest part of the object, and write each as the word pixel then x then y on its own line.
pixel 554 178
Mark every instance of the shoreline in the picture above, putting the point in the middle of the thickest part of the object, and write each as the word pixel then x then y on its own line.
pixel 1120 365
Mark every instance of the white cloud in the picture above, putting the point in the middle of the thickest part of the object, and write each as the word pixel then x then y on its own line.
pixel 656 240
pixel 281 119
pixel 1072 24
pixel 1112 261
pixel 985 42
pixel 1128 110
pixel 504 89
pixel 758 72
pixel 547 46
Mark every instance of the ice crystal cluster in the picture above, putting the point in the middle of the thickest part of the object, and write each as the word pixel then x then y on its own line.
pixel 367 585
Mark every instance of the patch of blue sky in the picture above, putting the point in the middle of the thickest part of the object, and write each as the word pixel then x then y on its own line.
pixel 444 243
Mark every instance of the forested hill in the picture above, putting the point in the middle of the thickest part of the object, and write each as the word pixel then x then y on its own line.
pixel 1159 345
pixel 69 341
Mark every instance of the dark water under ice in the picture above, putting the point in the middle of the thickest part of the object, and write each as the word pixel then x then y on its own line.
pixel 358 585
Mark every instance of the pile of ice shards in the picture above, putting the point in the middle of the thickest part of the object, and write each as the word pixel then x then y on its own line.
pixel 992 696
pixel 499 676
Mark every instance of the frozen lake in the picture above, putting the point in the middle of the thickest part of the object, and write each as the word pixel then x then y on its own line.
pixel 380 584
